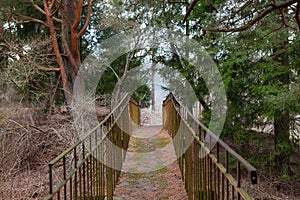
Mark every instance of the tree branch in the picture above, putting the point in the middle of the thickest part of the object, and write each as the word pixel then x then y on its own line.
pixel 272 31
pixel 43 11
pixel 55 45
pixel 52 4
pixel 255 20
pixel 85 5
pixel 283 19
pixel 213 6
pixel 189 77
pixel 78 16
pixel 88 19
pixel 191 7
pixel 37 7
pixel 297 15
pixel 56 10
pixel 12 48
pixel 176 2
pixel 244 6
pixel 68 52
pixel 30 19
pixel 47 69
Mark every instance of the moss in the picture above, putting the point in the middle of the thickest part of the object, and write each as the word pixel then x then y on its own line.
pixel 298 178
pixel 163 198
pixel 163 170
pixel 161 142
pixel 163 183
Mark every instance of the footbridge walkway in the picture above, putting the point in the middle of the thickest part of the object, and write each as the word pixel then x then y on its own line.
pixel 91 168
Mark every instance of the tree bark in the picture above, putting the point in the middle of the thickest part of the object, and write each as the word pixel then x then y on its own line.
pixel 153 83
pixel 282 142
pixel 50 24
pixel 283 146
pixel 67 32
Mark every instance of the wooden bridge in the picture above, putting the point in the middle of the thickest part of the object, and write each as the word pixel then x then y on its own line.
pixel 90 168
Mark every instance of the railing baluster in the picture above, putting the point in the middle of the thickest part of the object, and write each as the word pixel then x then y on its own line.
pixel 80 182
pixel 206 171
pixel 83 169
pixel 75 177
pixel 71 189
pixel 215 192
pixel 223 187
pixel 215 178
pixel 65 177
pixel 86 178
pixel 238 172
pixel 50 180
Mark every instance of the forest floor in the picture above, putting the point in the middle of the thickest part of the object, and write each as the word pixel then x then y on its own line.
pixel 29 139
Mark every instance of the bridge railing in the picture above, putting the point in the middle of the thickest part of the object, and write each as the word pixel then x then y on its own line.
pixel 90 168
pixel 209 172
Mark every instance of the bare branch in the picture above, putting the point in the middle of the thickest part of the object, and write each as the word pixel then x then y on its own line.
pixel 56 10
pixel 255 20
pixel 12 48
pixel 55 45
pixel 272 31
pixel 176 2
pixel 250 2
pixel 47 69
pixel 283 19
pixel 297 15
pixel 52 4
pixel 191 7
pixel 30 19
pixel 43 11
pixel 85 5
pixel 78 16
pixel 37 7
pixel 213 6
pixel 87 21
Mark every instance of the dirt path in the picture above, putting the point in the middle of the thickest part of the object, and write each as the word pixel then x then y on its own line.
pixel 150 170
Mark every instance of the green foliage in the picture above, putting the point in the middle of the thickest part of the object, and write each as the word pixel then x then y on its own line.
pixel 251 62
pixel 33 85
pixel 285 175
pixel 113 75
pixel 260 69
pixel 143 96
pixel 31 50
pixel 298 178
pixel 263 159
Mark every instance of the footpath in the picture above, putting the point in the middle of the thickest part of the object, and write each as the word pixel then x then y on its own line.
pixel 150 170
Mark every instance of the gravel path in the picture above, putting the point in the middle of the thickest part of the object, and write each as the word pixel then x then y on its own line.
pixel 150 170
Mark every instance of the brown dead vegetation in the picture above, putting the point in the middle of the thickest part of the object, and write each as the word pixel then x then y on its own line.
pixel 28 141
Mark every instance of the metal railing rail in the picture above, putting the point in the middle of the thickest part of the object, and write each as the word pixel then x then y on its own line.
pixel 78 173
pixel 208 172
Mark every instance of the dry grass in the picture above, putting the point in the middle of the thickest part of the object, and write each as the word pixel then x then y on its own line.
pixel 29 140
pixel 27 143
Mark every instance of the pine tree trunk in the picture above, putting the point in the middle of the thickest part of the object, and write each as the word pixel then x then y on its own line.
pixel 67 48
pixel 282 142
pixel 283 145
pixel 68 20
